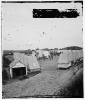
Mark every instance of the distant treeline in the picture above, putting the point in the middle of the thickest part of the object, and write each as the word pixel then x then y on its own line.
pixel 29 51
pixel 72 48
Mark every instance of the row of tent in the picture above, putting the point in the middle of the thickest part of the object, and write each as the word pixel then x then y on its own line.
pixel 22 61
pixel 67 57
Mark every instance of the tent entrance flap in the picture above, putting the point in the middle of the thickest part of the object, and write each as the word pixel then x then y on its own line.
pixel 19 71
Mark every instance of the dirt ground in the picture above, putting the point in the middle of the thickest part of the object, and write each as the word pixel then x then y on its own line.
pixel 49 82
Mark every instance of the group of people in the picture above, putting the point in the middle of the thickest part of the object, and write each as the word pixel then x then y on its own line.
pixel 41 54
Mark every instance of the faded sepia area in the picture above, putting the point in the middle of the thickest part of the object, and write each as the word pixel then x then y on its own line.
pixel 42 49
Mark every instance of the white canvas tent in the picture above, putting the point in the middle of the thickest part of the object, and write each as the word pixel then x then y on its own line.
pixel 73 55
pixel 16 56
pixel 67 57
pixel 80 54
pixel 76 55
pixel 70 56
pixel 46 54
pixel 29 62
pixel 33 63
pixel 64 60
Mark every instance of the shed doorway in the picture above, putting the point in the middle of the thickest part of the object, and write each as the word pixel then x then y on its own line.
pixel 18 71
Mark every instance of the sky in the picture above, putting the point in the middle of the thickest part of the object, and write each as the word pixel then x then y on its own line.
pixel 20 31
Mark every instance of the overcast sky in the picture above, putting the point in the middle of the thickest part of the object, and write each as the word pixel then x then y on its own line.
pixel 20 31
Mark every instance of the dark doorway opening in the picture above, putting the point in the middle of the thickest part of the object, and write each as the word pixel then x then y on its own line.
pixel 18 71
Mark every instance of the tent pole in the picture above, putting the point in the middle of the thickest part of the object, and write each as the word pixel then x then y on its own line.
pixel 11 74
